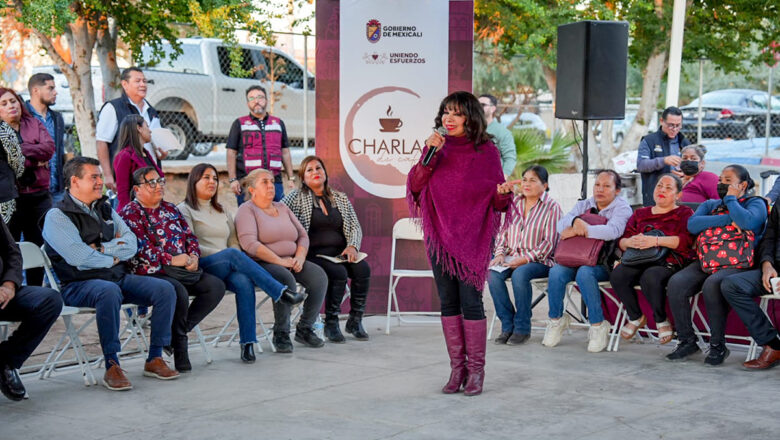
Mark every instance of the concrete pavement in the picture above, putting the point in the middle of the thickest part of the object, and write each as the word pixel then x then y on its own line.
pixel 389 387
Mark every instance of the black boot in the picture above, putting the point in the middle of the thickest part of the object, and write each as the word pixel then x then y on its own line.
pixel 11 384
pixel 355 326
pixel 335 295
pixel 333 332
pixel 683 350
pixel 716 355
pixel 357 302
pixel 248 353
pixel 291 298
pixel 181 355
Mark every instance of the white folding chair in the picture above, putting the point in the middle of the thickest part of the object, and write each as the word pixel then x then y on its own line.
pixel 34 257
pixel 264 336
pixel 753 349
pixel 538 284
pixel 404 229
pixel 697 312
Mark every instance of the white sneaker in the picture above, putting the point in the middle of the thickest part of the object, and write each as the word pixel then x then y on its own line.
pixel 554 330
pixel 598 335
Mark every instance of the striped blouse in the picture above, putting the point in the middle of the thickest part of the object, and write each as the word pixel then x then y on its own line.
pixel 533 236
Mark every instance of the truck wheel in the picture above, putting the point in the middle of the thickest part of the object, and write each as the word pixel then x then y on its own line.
pixel 182 129
pixel 201 148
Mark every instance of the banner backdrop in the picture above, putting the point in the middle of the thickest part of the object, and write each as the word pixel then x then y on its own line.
pixel 383 67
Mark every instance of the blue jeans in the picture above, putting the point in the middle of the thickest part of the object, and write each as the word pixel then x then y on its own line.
pixel 278 195
pixel 587 278
pixel 511 321
pixel 241 275
pixel 106 298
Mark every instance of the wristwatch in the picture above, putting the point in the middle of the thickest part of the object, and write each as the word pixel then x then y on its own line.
pixel 235 179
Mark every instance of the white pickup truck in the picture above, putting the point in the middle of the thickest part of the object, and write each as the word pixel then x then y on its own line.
pixel 198 96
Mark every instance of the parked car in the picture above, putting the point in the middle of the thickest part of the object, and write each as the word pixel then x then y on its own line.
pixel 526 121
pixel 198 95
pixel 731 113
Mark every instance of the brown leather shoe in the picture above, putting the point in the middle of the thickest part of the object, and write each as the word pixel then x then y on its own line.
pixel 115 379
pixel 768 359
pixel 158 368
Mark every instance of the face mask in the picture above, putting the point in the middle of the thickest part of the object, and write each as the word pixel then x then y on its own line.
pixel 723 188
pixel 689 167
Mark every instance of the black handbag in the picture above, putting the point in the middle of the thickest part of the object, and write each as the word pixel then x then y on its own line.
pixel 180 274
pixel 639 257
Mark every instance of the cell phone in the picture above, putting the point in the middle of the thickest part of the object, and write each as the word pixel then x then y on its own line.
pixel 342 257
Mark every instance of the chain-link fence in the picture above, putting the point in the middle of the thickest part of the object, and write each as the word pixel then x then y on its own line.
pixel 202 91
pixel 731 113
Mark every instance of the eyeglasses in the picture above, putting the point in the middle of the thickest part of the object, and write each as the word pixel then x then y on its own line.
pixel 154 182
pixel 256 98
pixel 672 126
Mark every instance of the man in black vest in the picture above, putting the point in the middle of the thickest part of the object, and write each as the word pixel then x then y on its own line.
pixel 132 102
pixel 36 308
pixel 88 244
pixel 660 151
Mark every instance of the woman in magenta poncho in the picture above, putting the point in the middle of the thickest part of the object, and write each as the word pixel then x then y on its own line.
pixel 459 196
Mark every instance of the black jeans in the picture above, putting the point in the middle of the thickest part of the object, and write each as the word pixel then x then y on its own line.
pixel 457 297
pixel 28 220
pixel 338 273
pixel 652 278
pixel 313 279
pixel 208 292
pixel 36 308
pixel 687 283
pixel 739 290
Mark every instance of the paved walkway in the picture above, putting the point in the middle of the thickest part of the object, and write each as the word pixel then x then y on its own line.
pixel 389 386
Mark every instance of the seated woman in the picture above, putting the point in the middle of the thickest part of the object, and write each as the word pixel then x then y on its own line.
pixel 334 230
pixel 167 249
pixel 741 289
pixel 733 209
pixel 271 234
pixel 222 257
pixel 525 248
pixel 671 219
pixel 698 185
pixel 134 132
pixel 606 203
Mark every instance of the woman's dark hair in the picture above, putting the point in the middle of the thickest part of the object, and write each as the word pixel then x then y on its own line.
pixel 139 175
pixel 128 133
pixel 743 175
pixel 24 112
pixel 468 105
pixel 191 199
pixel 615 177
pixel 677 181
pixel 302 172
pixel 541 173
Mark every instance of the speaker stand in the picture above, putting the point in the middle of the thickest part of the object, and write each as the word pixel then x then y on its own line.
pixel 584 189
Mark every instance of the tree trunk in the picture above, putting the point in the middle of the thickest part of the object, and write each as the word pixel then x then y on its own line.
pixel 551 79
pixel 81 39
pixel 106 52
pixel 651 90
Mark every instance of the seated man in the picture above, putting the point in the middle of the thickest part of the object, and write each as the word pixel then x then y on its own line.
pixel 741 289
pixel 36 308
pixel 88 244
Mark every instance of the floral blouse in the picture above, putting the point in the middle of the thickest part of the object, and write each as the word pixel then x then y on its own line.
pixel 162 233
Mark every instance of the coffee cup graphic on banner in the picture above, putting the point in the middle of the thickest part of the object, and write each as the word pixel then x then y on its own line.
pixel 390 125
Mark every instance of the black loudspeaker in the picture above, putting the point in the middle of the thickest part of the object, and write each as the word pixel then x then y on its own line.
pixel 591 74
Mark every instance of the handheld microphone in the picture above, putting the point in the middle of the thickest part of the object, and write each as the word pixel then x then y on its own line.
pixel 432 150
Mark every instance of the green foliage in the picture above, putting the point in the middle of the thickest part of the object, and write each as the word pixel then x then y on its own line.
pixel 531 150
pixel 497 75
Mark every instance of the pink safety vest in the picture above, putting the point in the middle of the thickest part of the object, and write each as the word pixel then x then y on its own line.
pixel 261 143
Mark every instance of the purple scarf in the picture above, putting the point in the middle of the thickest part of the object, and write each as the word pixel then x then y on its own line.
pixel 456 199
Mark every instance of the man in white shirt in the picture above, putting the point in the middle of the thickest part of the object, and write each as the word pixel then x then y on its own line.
pixel 132 101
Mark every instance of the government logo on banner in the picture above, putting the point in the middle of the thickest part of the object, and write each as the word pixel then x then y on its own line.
pixel 373 30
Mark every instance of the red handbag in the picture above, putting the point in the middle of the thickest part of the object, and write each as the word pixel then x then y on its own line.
pixel 581 251
pixel 724 247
